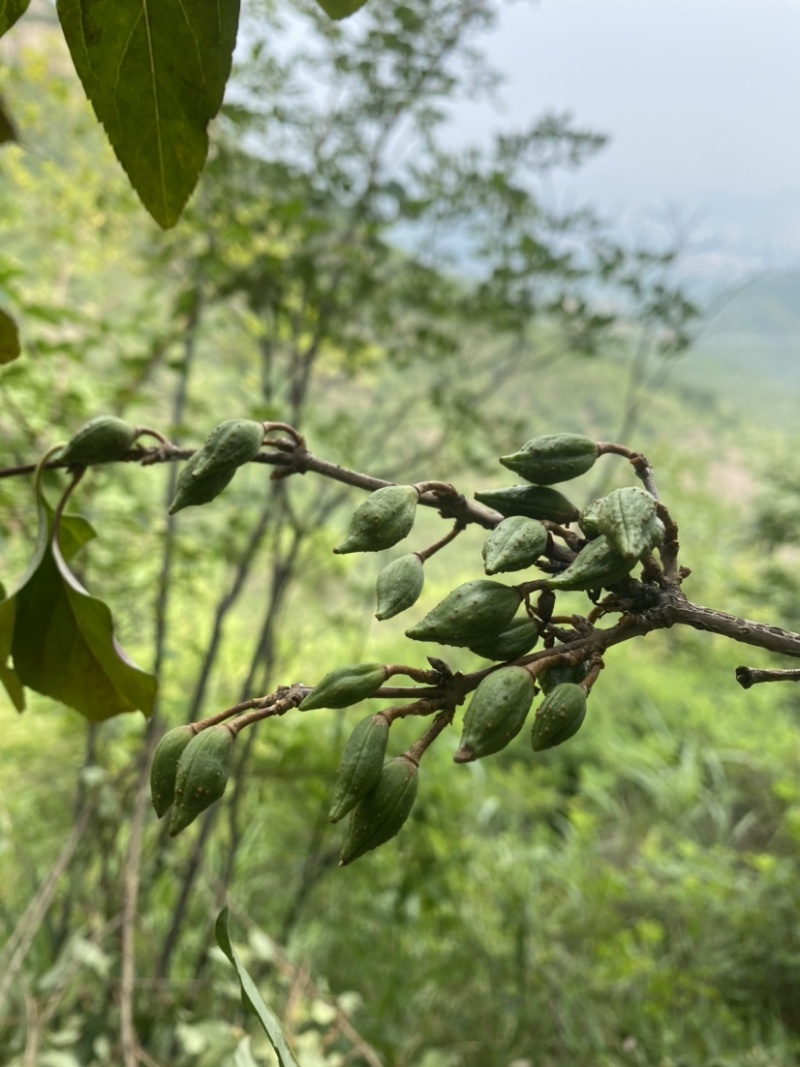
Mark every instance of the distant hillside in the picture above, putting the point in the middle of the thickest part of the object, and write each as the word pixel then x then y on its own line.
pixel 755 329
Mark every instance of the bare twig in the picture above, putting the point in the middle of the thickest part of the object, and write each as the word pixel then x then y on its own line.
pixel 747 676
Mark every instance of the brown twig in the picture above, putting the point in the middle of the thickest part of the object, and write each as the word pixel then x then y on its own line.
pixel 437 546
pixel 747 676
pixel 441 722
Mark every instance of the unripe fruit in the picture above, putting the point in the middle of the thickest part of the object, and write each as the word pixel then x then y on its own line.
pixel 496 713
pixel 595 566
pixel 164 767
pixel 206 473
pixel 399 586
pixel 345 686
pixel 514 543
pixel 589 520
pixel 102 440
pixel 534 501
pixel 191 491
pixel 549 677
pixel 519 637
pixel 381 813
pixel 471 614
pixel 228 446
pixel 361 766
pixel 627 517
pixel 553 458
pixel 559 717
pixel 202 775
pixel 383 519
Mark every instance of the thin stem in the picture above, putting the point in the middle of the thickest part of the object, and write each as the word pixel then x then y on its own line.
pixel 147 431
pixel 298 438
pixel 747 676
pixel 442 488
pixel 284 703
pixel 431 550
pixel 440 723
pixel 402 711
pixel 417 674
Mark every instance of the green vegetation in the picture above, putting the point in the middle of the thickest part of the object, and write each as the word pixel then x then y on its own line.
pixel 627 898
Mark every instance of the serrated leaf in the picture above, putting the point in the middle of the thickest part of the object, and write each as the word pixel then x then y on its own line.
pixel 155 72
pixel 10 347
pixel 61 638
pixel 10 11
pixel 251 998
pixel 340 9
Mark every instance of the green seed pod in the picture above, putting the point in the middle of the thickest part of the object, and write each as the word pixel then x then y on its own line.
pixel 202 775
pixel 514 543
pixel 533 501
pixel 627 517
pixel 191 491
pixel 559 717
pixel 346 686
pixel 519 637
pixel 496 713
pixel 595 566
pixel 549 677
pixel 383 519
pixel 381 813
pixel 470 615
pixel 361 766
pixel 102 440
pixel 228 446
pixel 589 520
pixel 556 457
pixel 165 765
pixel 399 586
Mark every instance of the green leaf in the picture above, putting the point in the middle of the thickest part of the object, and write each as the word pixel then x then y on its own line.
pixel 8 131
pixel 13 686
pixel 61 638
pixel 9 337
pixel 340 9
pixel 155 72
pixel 8 676
pixel 10 11
pixel 251 998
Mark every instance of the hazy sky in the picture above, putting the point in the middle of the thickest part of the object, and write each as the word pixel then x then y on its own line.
pixel 701 99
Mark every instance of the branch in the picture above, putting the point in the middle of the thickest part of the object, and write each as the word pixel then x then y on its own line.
pixel 771 638
pixel 748 676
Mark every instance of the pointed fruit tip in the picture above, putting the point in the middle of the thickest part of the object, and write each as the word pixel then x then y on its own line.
pixel 465 754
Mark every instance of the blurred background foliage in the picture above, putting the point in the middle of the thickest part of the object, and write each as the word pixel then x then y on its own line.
pixel 629 899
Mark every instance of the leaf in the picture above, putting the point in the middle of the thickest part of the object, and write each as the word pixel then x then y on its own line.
pixel 61 638
pixel 8 131
pixel 10 11
pixel 9 337
pixel 251 998
pixel 155 72
pixel 8 676
pixel 13 686
pixel 340 9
